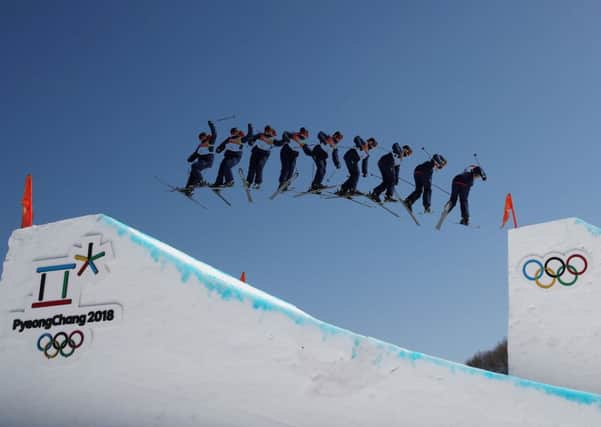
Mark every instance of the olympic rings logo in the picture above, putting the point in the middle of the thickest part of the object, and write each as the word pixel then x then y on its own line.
pixel 61 343
pixel 555 268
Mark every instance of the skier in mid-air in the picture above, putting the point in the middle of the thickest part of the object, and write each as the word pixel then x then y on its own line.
pixel 291 144
pixel 389 165
pixel 422 175
pixel 462 184
pixel 352 157
pixel 262 144
pixel 320 153
pixel 234 145
pixel 201 159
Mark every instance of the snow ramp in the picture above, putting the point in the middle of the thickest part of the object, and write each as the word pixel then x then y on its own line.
pixel 102 325
pixel 554 303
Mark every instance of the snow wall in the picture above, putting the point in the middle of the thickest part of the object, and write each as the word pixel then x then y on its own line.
pixel 555 304
pixel 103 325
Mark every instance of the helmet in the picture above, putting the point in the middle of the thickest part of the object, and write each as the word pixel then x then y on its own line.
pixel 270 131
pixel 396 149
pixel 357 140
pixel 372 143
pixel 337 136
pixel 407 150
pixel 439 160
pixel 234 131
pixel 304 133
pixel 202 135
pixel 479 172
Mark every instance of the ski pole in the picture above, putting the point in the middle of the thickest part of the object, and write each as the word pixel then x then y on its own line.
pixel 477 160
pixel 222 119
pixel 400 179
pixel 441 189
pixel 426 151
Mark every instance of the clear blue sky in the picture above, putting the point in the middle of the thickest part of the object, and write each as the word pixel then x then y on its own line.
pixel 99 97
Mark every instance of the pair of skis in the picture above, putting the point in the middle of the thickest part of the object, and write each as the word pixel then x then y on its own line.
pixel 350 197
pixel 182 191
pixel 443 216
pixel 284 186
pixel 316 191
pixel 245 185
pixel 390 211
pixel 381 204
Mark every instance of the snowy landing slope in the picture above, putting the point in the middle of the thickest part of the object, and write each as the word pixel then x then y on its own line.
pixel 103 325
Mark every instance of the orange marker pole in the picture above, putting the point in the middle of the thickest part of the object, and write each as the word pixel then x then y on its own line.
pixel 27 203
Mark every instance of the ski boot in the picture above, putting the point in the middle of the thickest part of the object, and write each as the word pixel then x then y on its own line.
pixel 187 191
pixel 464 221
pixel 427 209
pixel 374 197
pixel 316 188
pixel 341 193
pixel 407 204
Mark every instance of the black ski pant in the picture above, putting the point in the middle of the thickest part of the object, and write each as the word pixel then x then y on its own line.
pixel 204 161
pixel 230 159
pixel 288 159
pixel 320 171
pixel 388 181
pixel 350 185
pixel 258 158
pixel 462 192
pixel 422 184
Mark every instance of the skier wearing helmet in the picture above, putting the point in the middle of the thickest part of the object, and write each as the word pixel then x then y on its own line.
pixel 462 184
pixel 262 144
pixel 320 154
pixel 201 159
pixel 234 144
pixel 389 165
pixel 422 175
pixel 352 157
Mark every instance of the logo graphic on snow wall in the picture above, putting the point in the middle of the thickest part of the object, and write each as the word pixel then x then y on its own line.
pixel 54 304
pixel 88 261
pixel 61 343
pixel 548 270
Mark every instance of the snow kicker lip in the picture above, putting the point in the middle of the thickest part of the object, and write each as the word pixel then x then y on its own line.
pixel 555 275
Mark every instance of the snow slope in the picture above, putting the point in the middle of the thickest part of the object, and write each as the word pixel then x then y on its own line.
pixel 159 338
pixel 555 332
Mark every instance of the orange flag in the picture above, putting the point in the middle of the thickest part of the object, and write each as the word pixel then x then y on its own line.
pixel 27 202
pixel 243 277
pixel 507 209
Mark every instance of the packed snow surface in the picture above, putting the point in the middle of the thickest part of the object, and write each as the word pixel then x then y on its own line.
pixel 554 300
pixel 103 325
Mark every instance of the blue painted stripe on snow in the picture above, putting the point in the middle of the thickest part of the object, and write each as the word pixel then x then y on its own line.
pixel 594 230
pixel 229 292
